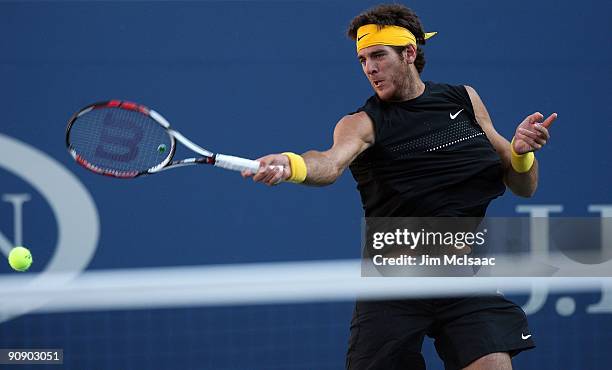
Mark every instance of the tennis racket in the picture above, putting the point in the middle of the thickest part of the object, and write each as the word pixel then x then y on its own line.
pixel 126 140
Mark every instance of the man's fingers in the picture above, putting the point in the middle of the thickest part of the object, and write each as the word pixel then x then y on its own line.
pixel 529 141
pixel 269 177
pixel 272 177
pixel 535 136
pixel 530 134
pixel 277 178
pixel 542 131
pixel 535 117
pixel 271 169
pixel 262 173
pixel 549 120
pixel 263 165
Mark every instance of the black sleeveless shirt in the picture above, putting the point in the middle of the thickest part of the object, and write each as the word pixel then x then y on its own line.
pixel 430 158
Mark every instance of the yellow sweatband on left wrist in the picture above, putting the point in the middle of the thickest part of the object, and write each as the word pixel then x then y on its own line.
pixel 298 168
pixel 521 162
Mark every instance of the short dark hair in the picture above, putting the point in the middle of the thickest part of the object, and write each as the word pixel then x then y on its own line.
pixel 393 15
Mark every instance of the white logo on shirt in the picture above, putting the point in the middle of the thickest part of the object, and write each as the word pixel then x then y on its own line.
pixel 453 116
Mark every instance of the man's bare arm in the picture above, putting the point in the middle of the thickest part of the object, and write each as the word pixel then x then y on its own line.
pixel 531 135
pixel 352 135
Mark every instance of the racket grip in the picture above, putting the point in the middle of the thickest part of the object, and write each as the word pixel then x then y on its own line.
pixel 237 164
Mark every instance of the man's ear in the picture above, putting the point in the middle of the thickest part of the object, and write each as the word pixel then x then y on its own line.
pixel 409 53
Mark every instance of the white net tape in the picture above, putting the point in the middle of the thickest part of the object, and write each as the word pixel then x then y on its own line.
pixel 245 284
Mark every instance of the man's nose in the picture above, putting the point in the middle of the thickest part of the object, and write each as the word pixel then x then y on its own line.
pixel 371 67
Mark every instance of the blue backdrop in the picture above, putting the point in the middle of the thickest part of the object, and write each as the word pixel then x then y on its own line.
pixel 250 78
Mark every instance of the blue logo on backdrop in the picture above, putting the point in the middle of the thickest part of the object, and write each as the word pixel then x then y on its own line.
pixel 540 242
pixel 74 210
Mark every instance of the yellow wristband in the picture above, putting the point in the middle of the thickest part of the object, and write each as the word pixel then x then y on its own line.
pixel 521 162
pixel 298 168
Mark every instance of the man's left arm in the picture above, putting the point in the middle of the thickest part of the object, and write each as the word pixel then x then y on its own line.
pixel 530 136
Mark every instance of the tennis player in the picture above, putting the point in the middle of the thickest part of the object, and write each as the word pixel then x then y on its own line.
pixel 422 149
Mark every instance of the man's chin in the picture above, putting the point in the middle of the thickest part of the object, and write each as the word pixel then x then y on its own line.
pixel 382 94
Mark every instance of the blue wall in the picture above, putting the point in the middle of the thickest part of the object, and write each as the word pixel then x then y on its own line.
pixel 249 78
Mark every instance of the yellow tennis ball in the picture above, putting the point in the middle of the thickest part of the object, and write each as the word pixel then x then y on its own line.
pixel 20 258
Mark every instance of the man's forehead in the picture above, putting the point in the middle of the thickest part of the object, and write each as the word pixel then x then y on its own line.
pixel 371 49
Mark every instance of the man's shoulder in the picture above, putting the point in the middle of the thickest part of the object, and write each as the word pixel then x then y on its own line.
pixel 443 86
pixel 453 92
pixel 370 103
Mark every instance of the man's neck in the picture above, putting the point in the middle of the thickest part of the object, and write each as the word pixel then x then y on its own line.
pixel 413 86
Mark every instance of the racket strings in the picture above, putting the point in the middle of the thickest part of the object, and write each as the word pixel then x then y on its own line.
pixel 119 141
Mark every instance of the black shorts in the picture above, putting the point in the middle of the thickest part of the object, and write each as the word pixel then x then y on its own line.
pixel 388 335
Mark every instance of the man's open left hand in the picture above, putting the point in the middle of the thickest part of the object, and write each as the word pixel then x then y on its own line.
pixel 532 134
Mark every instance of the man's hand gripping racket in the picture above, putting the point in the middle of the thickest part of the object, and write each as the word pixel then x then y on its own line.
pixel 126 140
pixel 274 169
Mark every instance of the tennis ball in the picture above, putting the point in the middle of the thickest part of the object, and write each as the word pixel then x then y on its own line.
pixel 20 258
pixel 161 148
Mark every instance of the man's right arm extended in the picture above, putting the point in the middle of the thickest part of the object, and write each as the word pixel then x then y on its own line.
pixel 353 134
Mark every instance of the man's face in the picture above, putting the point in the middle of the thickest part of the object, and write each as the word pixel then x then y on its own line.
pixel 385 69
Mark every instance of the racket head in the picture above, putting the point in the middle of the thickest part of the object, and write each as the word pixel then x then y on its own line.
pixel 120 139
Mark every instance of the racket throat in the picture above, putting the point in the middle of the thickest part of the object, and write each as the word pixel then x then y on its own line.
pixel 207 160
